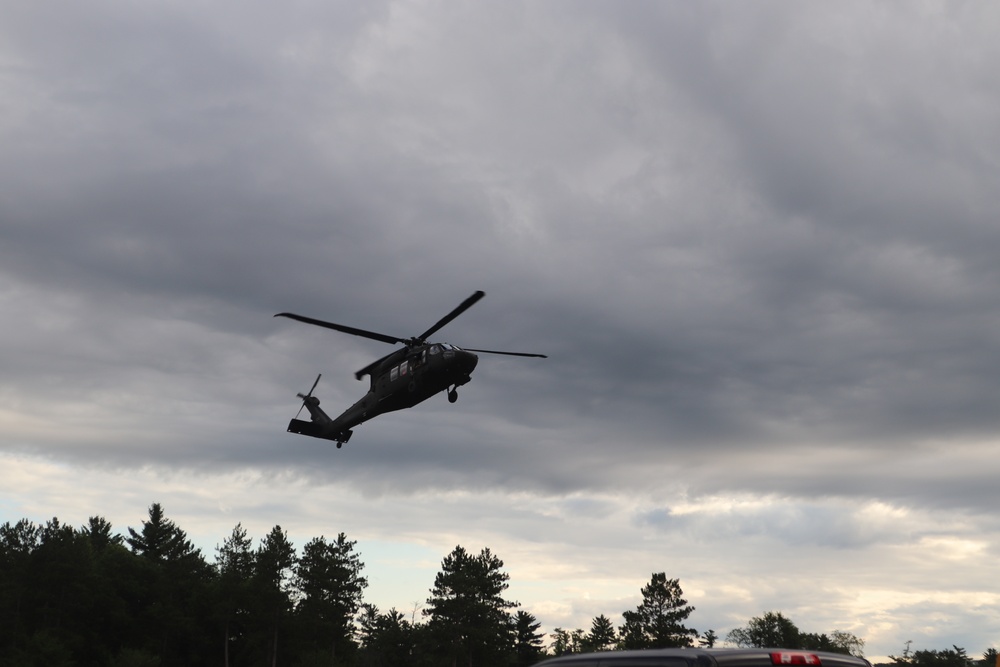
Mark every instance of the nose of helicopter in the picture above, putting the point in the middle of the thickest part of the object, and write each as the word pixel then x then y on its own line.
pixel 467 361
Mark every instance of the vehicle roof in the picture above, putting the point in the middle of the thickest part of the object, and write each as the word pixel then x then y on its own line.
pixel 696 657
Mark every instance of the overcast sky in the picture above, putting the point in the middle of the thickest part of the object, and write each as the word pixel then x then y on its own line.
pixel 760 243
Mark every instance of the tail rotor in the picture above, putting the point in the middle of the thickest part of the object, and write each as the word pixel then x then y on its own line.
pixel 306 397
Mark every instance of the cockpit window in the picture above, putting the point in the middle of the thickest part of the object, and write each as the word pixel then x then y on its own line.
pixel 435 349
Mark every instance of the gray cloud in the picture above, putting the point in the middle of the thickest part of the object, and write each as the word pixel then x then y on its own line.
pixel 757 244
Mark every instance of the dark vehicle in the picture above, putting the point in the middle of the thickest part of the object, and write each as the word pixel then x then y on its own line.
pixel 707 657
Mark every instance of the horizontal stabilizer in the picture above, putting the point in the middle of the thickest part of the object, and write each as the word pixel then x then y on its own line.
pixel 305 428
pixel 316 430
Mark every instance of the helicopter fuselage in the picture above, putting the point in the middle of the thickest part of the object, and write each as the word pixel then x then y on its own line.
pixel 402 380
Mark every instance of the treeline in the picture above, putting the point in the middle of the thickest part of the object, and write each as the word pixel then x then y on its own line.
pixel 89 596
pixel 92 597
pixel 774 629
pixel 949 657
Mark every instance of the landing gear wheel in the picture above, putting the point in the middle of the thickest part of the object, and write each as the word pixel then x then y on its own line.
pixel 452 396
pixel 339 445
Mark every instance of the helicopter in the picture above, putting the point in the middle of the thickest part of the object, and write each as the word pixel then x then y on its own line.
pixel 401 379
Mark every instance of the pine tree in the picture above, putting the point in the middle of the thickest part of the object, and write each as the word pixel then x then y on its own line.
pixel 161 540
pixel 329 579
pixel 273 566
pixel 527 638
pixel 174 585
pixel 98 531
pixel 17 544
pixel 234 562
pixel 386 639
pixel 467 610
pixel 659 621
pixel 602 634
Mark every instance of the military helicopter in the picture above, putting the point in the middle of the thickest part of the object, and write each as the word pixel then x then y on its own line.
pixel 401 379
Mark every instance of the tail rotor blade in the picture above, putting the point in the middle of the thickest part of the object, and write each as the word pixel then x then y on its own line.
pixel 304 397
pixel 314 384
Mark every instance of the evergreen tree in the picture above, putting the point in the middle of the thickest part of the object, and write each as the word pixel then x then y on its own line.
pixel 161 541
pixel 467 610
pixel 17 544
pixel 175 582
pixel 234 562
pixel 569 641
pixel 632 634
pixel 117 596
pixel 602 634
pixel 527 639
pixel 328 577
pixel 386 639
pixel 98 531
pixel 63 572
pixel 658 621
pixel 274 562
pixel 953 657
pixel 562 644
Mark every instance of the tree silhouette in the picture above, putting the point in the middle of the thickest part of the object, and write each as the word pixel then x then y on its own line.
pixel 467 610
pixel 602 634
pixel 328 577
pixel 527 638
pixel 659 621
pixel 771 630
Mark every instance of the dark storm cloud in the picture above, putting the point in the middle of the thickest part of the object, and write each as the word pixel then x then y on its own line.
pixel 860 248
pixel 824 302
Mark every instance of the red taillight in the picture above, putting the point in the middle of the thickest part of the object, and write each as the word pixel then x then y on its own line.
pixel 795 658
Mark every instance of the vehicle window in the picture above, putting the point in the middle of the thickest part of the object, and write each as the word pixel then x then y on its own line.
pixel 394 373
pixel 435 349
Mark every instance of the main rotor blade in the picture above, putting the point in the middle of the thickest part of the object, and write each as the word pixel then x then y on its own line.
pixel 509 354
pixel 392 340
pixel 462 307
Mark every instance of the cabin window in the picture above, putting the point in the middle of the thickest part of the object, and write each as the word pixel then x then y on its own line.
pixel 403 368
pixel 394 374
pixel 435 349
